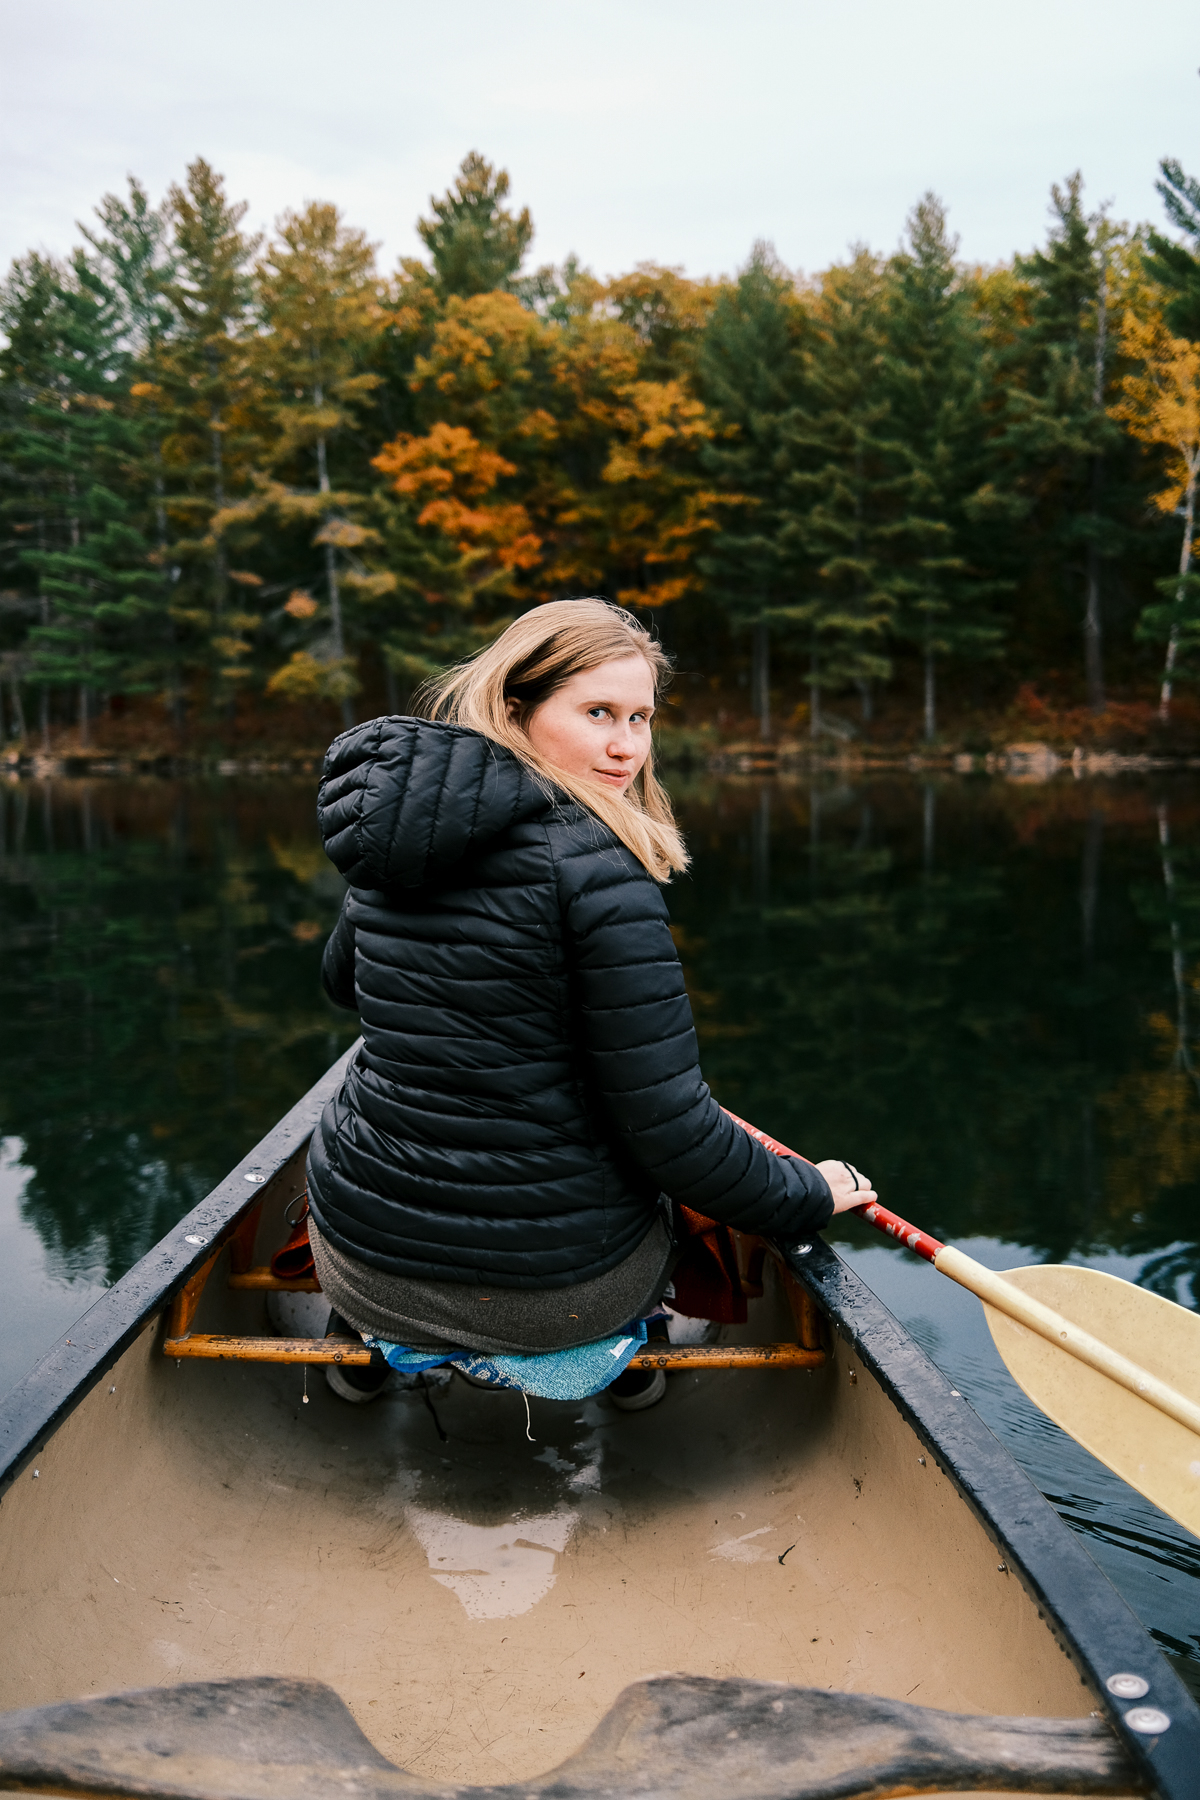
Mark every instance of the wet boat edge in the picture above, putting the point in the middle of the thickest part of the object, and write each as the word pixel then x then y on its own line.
pixel 33 1410
pixel 1096 1627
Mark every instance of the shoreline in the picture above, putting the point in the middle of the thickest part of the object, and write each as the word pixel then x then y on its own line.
pixel 1031 762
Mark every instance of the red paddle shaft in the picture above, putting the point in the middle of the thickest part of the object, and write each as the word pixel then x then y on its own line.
pixel 876 1215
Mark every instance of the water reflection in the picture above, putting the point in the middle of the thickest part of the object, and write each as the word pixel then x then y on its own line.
pixel 159 987
pixel 982 992
pixel 980 995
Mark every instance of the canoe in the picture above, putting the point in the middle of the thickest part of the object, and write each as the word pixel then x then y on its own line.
pixel 853 1587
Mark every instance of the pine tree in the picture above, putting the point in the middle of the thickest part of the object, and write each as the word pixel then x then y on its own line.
pixel 84 549
pixel 475 243
pixel 206 394
pixel 132 249
pixel 750 376
pixel 31 428
pixel 936 376
pixel 1059 435
pixel 846 491
pixel 1176 267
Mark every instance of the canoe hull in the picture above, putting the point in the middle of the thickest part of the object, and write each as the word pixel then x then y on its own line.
pixel 480 1600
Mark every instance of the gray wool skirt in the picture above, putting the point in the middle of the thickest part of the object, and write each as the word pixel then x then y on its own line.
pixel 519 1321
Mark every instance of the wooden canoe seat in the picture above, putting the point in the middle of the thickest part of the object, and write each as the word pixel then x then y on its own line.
pixel 181 1341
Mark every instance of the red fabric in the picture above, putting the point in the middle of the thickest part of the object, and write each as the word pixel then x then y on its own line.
pixel 708 1284
pixel 294 1260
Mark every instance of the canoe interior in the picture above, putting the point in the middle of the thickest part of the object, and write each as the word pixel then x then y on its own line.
pixel 480 1602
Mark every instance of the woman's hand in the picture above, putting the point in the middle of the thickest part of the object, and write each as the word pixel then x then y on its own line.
pixel 848 1185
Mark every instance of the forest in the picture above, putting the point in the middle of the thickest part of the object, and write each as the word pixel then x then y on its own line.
pixel 253 489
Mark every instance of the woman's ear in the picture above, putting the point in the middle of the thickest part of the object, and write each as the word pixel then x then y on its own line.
pixel 513 709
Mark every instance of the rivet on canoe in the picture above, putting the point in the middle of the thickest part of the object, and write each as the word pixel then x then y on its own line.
pixel 1002 1568
pixel 1126 1686
pixel 921 1460
pixel 1148 1719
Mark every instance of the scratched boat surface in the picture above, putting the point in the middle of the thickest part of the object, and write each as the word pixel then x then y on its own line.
pixel 480 1599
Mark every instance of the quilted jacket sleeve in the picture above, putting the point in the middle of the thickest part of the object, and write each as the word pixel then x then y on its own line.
pixel 337 964
pixel 642 1059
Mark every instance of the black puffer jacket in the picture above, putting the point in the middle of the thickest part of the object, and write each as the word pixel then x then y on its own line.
pixel 528 1084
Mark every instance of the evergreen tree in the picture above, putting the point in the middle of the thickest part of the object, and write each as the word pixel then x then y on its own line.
pixel 475 242
pixel 750 376
pixel 84 549
pixel 936 376
pixel 30 440
pixel 132 249
pixel 1059 435
pixel 1176 267
pixel 846 490
pixel 206 393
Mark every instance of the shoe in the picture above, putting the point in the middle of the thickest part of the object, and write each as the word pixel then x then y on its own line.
pixel 351 1381
pixel 356 1384
pixel 637 1389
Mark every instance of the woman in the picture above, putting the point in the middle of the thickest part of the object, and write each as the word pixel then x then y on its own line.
pixel 497 1169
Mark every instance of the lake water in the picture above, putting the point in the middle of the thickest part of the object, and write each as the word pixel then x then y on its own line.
pixel 981 992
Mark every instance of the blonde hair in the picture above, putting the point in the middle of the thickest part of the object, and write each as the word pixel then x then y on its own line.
pixel 528 663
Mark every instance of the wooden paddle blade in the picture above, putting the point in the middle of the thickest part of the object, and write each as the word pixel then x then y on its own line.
pixel 684 1736
pixel 1154 1454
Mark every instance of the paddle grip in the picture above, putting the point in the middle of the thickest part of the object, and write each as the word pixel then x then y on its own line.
pixel 874 1214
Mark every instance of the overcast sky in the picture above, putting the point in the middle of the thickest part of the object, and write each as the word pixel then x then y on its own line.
pixel 671 130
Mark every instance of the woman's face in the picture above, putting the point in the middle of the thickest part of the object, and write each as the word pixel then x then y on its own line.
pixel 597 726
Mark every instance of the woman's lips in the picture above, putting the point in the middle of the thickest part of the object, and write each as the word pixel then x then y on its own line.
pixel 618 777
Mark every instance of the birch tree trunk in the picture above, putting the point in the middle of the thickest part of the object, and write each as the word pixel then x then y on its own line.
pixel 1185 563
pixel 930 696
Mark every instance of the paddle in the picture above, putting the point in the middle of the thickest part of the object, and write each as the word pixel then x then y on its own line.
pixel 1117 1367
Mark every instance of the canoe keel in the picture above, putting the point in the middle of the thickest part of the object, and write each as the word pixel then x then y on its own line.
pixel 270 1739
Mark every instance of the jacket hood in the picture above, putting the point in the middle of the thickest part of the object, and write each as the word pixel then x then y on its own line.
pixel 403 800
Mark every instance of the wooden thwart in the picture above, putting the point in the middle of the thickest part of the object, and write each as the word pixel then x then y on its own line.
pixel 352 1350
pixel 265 1281
pixel 181 1341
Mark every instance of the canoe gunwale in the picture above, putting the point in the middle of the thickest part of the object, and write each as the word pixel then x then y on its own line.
pixel 1094 1625
pixel 1098 1629
pixel 33 1410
